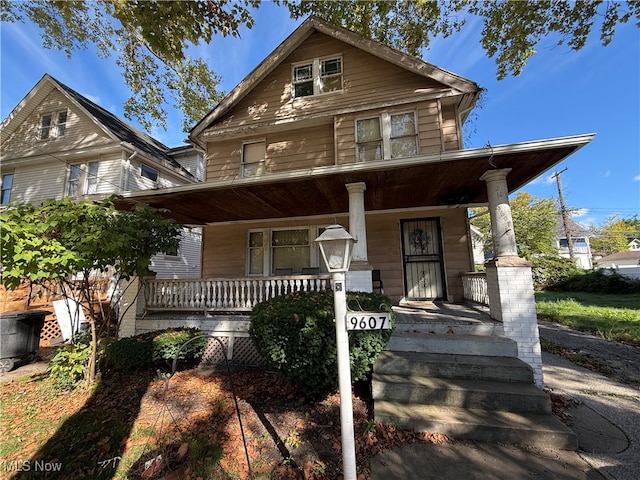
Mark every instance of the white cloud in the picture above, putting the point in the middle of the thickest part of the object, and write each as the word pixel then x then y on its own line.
pixel 636 178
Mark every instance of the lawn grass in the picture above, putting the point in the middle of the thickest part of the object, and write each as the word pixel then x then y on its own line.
pixel 614 317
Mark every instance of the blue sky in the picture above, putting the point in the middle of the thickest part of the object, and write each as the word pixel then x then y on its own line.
pixel 560 93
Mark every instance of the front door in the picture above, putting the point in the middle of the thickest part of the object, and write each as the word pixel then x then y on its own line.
pixel 422 259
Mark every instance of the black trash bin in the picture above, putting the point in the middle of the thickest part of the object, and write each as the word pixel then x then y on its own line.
pixel 19 336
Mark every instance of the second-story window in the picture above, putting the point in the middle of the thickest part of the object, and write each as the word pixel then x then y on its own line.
pixel 7 183
pixel 389 135
pixel 82 179
pixel 253 157
pixel 52 125
pixel 148 172
pixel 317 76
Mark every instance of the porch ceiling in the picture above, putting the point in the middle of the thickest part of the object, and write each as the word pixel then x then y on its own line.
pixel 452 178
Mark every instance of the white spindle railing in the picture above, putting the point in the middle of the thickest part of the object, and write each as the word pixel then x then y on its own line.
pixel 475 287
pixel 226 293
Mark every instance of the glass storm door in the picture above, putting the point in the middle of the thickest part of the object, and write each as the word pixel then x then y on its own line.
pixel 422 259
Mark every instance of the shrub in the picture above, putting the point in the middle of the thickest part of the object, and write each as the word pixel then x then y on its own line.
pixel 69 365
pixel 548 271
pixel 295 334
pixel 155 348
pixel 598 281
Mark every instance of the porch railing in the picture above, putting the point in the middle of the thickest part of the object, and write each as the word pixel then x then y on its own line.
pixel 226 294
pixel 475 287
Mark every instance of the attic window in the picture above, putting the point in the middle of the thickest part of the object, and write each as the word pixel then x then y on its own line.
pixel 316 77
pixel 52 125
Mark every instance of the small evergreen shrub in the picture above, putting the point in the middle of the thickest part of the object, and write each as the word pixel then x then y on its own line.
pixel 155 348
pixel 295 335
pixel 598 281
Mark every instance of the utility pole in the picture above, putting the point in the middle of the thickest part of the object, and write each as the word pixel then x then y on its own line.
pixel 565 214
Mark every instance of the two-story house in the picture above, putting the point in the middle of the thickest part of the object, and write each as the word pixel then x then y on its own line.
pixel 334 128
pixel 57 143
pixel 580 245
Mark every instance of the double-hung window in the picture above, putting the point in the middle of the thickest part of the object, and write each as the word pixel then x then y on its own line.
pixel 82 179
pixel 317 76
pixel 253 158
pixel 52 125
pixel 388 135
pixel 7 182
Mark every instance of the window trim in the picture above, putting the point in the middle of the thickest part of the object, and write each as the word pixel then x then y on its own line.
pixel 385 130
pixel 82 179
pixel 316 76
pixel 260 164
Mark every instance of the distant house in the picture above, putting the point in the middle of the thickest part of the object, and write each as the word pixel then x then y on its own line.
pixel 580 240
pixel 634 244
pixel 57 143
pixel 477 245
pixel 625 263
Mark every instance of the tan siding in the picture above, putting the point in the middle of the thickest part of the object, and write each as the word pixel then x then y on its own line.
pixel 366 79
pixel 81 131
pixel 450 128
pixel 288 150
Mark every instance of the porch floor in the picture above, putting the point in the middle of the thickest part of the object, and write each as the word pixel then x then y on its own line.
pixel 442 312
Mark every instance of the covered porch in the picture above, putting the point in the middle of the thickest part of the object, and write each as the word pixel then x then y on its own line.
pixel 376 196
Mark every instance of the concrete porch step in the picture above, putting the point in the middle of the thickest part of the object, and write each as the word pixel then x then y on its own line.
pixel 527 429
pixel 452 327
pixel 473 394
pixel 412 341
pixel 493 369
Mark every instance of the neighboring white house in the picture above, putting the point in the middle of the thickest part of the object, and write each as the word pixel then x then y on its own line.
pixel 634 244
pixel 625 263
pixel 580 239
pixel 57 143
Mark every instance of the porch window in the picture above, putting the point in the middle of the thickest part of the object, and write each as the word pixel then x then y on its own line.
pixel 317 76
pixel 52 125
pixel 253 158
pixel 7 182
pixel 256 253
pixel 386 136
pixel 269 250
pixel 290 249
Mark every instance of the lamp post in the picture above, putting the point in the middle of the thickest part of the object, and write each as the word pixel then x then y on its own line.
pixel 336 246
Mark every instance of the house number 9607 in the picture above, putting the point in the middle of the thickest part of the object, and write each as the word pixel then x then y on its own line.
pixel 368 321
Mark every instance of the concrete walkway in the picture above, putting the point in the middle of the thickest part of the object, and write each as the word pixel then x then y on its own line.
pixel 606 420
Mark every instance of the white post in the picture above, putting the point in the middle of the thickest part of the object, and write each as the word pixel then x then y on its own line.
pixel 359 276
pixel 344 377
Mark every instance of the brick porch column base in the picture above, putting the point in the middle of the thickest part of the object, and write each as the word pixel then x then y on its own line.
pixel 511 299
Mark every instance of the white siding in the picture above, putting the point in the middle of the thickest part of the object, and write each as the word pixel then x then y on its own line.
pixel 186 264
pixel 33 184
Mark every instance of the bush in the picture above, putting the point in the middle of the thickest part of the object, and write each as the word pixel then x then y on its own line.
pixel 155 348
pixel 69 365
pixel 598 281
pixel 295 335
pixel 548 271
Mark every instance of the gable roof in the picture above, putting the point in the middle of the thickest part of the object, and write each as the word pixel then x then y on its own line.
pixel 113 126
pixel 466 87
pixel 575 228
pixel 620 256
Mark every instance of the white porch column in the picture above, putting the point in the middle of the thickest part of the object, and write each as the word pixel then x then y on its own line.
pixel 359 274
pixel 509 278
